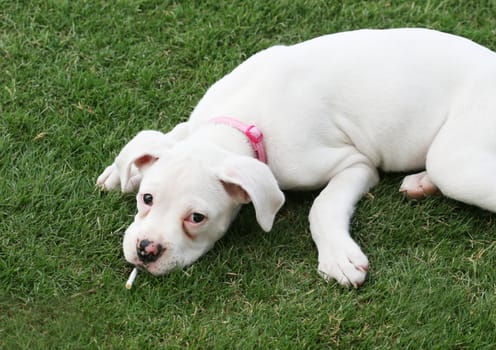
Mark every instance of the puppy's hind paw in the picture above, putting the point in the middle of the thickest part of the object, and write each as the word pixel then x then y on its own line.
pixel 418 186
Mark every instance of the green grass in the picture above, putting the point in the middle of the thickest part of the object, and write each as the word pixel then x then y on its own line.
pixel 80 78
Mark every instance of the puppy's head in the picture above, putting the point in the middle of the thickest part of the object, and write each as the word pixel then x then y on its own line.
pixel 187 198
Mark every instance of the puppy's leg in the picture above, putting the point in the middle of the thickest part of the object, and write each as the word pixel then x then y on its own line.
pixel 339 256
pixel 469 177
pixel 418 186
pixel 461 161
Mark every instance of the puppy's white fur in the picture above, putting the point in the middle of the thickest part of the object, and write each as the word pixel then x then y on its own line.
pixel 333 110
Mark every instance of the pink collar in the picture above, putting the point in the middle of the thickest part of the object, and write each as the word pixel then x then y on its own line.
pixel 251 131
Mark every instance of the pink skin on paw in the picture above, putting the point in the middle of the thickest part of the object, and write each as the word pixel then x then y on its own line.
pixel 363 268
pixel 428 187
pixel 418 186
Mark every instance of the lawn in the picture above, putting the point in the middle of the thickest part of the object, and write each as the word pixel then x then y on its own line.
pixel 78 79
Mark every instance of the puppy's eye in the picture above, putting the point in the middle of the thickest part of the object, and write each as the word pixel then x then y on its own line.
pixel 148 199
pixel 196 218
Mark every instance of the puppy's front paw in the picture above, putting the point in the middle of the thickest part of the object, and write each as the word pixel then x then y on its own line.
pixel 109 179
pixel 345 263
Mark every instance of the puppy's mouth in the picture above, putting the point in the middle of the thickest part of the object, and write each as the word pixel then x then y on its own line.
pixel 159 267
pixel 149 267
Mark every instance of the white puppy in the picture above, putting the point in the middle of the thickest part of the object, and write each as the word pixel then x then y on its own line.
pixel 332 111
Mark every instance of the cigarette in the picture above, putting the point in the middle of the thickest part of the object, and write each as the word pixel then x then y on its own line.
pixel 131 278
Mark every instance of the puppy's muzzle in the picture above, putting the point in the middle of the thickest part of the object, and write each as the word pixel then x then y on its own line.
pixel 148 251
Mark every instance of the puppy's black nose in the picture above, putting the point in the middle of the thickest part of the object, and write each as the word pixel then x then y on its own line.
pixel 148 251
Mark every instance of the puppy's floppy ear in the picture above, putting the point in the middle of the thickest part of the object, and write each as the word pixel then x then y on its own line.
pixel 247 179
pixel 139 153
pixel 143 150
